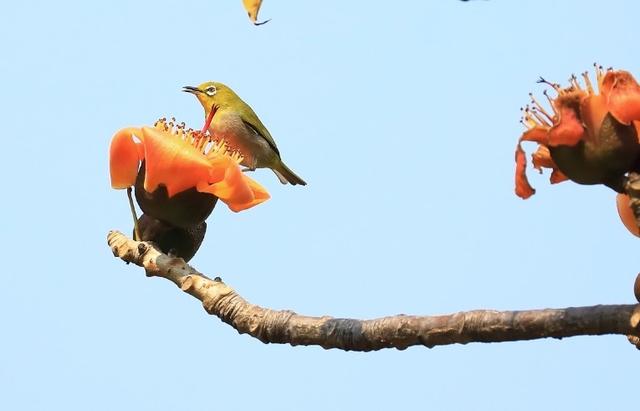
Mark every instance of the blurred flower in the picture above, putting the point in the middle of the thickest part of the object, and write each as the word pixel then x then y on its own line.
pixel 178 162
pixel 590 136
pixel 253 7
pixel 626 214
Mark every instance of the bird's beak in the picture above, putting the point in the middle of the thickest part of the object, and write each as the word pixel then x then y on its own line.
pixel 191 89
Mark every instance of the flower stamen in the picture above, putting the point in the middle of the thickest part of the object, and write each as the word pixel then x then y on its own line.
pixel 203 142
pixel 587 81
pixel 574 83
pixel 599 75
pixel 538 107
pixel 550 100
pixel 531 118
pixel 555 86
pixel 543 121
pixel 221 148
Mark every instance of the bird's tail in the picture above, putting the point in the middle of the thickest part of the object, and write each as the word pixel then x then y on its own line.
pixel 285 175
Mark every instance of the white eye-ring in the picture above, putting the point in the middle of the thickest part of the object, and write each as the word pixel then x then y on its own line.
pixel 211 91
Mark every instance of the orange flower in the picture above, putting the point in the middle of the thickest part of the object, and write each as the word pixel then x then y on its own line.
pixel 590 136
pixel 181 160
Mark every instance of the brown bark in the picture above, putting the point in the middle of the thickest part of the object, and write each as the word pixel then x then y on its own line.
pixel 400 331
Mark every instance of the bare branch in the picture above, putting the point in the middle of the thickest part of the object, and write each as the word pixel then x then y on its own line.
pixel 400 331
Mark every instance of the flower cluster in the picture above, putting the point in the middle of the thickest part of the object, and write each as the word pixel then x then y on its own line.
pixel 182 159
pixel 590 134
pixel 178 175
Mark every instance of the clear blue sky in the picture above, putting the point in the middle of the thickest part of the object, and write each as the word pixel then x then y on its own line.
pixel 403 118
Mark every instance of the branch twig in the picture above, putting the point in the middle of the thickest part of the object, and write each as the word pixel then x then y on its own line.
pixel 401 331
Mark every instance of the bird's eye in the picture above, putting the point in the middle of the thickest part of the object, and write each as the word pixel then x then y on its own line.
pixel 211 91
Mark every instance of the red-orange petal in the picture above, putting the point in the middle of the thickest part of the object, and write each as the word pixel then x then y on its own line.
pixel 557 176
pixel 523 188
pixel 568 131
pixel 231 188
pixel 622 93
pixel 235 189
pixel 626 214
pixel 172 162
pixel 593 109
pixel 219 168
pixel 260 195
pixel 125 154
pixel 542 158
pixel 539 134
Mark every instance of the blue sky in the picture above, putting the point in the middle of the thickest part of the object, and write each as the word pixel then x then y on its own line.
pixel 402 117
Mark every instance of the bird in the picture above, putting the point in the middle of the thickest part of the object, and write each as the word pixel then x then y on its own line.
pixel 229 118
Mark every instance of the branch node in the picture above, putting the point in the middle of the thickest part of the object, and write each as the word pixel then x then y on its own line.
pixel 187 283
pixel 220 301
pixel 142 249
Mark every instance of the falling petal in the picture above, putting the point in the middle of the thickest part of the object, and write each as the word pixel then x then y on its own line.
pixel 253 8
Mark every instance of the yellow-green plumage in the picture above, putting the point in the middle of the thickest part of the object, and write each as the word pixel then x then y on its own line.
pixel 236 123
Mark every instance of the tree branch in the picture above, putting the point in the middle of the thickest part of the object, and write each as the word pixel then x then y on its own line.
pixel 401 331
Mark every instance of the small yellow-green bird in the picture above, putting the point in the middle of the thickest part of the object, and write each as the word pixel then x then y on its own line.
pixel 231 119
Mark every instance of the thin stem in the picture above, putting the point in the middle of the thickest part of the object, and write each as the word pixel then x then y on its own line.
pixel 136 231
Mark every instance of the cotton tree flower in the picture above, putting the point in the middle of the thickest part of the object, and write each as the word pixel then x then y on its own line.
pixel 180 173
pixel 589 135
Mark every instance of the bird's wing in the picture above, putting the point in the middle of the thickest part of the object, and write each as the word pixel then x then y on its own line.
pixel 254 123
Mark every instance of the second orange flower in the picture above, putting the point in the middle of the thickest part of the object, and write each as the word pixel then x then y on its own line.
pixel 589 134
